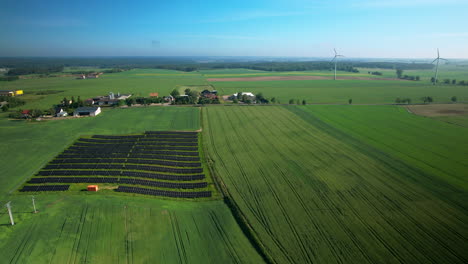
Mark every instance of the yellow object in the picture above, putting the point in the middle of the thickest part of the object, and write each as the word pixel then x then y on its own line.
pixel 19 92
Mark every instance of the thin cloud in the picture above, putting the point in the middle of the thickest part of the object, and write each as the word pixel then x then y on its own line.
pixel 56 22
pixel 251 15
pixel 407 3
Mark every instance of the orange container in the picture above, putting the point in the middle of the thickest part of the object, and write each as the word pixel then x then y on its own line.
pixel 93 188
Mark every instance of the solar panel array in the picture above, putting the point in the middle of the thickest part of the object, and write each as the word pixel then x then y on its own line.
pixel 167 162
pixel 164 193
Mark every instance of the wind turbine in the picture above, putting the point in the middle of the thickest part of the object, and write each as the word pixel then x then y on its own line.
pixel 335 59
pixel 437 65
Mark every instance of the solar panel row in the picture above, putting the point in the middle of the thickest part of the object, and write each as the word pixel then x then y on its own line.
pixel 79 173
pixel 73 180
pixel 163 169
pixel 116 180
pixel 45 188
pixel 164 193
pixel 164 184
pixel 159 176
pixel 124 155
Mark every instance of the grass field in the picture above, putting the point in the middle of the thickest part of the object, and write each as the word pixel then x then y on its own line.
pixel 110 229
pixel 329 91
pixel 455 120
pixel 451 72
pixel 438 148
pixel 312 193
pixel 105 228
pixel 137 82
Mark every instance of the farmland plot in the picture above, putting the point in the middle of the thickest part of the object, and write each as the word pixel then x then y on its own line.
pixel 109 229
pixel 310 196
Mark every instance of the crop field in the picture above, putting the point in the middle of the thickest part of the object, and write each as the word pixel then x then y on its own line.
pixel 330 91
pixel 446 71
pixel 136 82
pixel 84 227
pixel 325 196
pixel 438 148
pixel 113 229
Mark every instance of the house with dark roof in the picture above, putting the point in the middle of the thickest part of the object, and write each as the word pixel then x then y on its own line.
pixel 87 111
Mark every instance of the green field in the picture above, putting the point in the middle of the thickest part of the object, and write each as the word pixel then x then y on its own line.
pixel 331 92
pixel 75 228
pixel 305 184
pixel 137 82
pixel 110 229
pixel 313 193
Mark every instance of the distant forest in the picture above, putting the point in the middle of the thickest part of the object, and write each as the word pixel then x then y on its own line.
pixel 21 66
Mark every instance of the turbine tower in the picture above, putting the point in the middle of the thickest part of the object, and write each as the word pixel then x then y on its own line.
pixel 335 59
pixel 437 65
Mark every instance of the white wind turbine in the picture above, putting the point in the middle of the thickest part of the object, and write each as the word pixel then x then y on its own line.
pixel 437 65
pixel 335 59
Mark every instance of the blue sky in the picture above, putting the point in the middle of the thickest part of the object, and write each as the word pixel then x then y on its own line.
pixel 299 28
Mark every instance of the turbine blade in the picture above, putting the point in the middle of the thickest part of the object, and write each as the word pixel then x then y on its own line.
pixel 335 52
pixel 434 60
pixel 438 56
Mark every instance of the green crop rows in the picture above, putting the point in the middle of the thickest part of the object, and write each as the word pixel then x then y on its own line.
pixel 313 194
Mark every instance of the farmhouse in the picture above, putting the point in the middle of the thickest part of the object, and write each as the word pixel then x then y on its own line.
pixel 59 112
pixel 249 95
pixel 87 111
pixel 11 92
pixel 90 76
pixel 209 94
pixel 110 99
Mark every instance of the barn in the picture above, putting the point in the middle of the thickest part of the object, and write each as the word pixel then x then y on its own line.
pixel 87 111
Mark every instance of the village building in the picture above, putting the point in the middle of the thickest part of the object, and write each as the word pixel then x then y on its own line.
pixel 249 95
pixel 11 92
pixel 168 99
pixel 209 94
pixel 59 112
pixel 108 100
pixel 87 111
pixel 90 76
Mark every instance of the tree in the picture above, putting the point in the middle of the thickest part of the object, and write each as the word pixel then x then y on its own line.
pixel 235 101
pixel 399 73
pixel 398 100
pixel 273 100
pixel 4 108
pixel 80 102
pixel 130 101
pixel 454 99
pixel 175 93
pixel 454 81
pixel 432 79
pixel 65 102
pixel 447 81
pixel 187 91
pixel 291 101
pixel 417 78
pixel 427 99
pixel 239 96
pixel 36 113
pixel 350 101
pixel 304 102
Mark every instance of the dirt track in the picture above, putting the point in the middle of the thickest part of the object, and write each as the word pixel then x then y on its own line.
pixel 294 78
